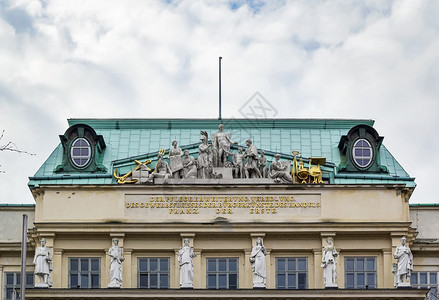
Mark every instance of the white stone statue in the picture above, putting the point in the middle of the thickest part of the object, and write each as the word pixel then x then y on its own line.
pixel 257 260
pixel 116 259
pixel 329 264
pixel 175 160
pixel 222 143
pixel 42 261
pixel 185 258
pixel 405 263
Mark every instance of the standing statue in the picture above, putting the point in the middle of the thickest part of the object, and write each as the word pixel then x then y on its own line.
pixel 257 260
pixel 263 164
pixel 189 165
pixel 238 164
pixel 185 258
pixel 405 263
pixel 280 170
pixel 221 143
pixel 329 264
pixel 251 167
pixel 42 261
pixel 204 157
pixel 175 160
pixel 162 170
pixel 116 259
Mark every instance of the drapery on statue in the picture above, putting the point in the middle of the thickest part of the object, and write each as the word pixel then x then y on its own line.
pixel 189 165
pixel 221 143
pixel 175 160
pixel 162 170
pixel 185 259
pixel 280 170
pixel 262 162
pixel 257 260
pixel 238 164
pixel 329 263
pixel 251 167
pixel 42 261
pixel 204 157
pixel 116 259
pixel 405 263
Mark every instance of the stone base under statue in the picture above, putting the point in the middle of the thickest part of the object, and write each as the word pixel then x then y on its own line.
pixel 258 286
pixel 331 286
pixel 41 285
pixel 114 285
pixel 404 285
pixel 186 286
pixel 214 181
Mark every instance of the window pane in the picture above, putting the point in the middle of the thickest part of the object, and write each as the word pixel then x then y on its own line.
pixel 423 278
pixel 164 264
pixel 371 279
pixel 143 280
pixel 211 281
pixel 73 264
pixel 29 279
pixel 349 264
pixel 301 264
pixel 233 281
pixel 233 265
pixel 414 278
pixel 281 281
pixel 153 281
pixel 366 152
pixel 9 293
pixel 211 265
pixel 371 264
pixel 95 264
pixel 17 278
pixel 433 278
pixel 281 264
pixel 222 266
pixel 292 264
pixel 73 281
pixel 302 280
pixel 143 264
pixel 84 281
pixel 163 281
pixel 350 280
pixel 222 281
pixel 360 264
pixel 291 281
pixel 153 265
pixel 76 151
pixel 95 281
pixel 360 280
pixel 9 279
pixel 84 264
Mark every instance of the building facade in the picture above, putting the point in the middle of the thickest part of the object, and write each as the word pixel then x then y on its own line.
pixel 323 180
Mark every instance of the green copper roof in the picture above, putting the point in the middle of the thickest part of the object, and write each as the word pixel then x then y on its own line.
pixel 127 139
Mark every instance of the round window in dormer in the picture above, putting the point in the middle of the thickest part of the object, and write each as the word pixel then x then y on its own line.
pixel 362 153
pixel 80 152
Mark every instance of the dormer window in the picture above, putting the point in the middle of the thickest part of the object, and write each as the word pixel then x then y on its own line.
pixel 80 152
pixel 362 153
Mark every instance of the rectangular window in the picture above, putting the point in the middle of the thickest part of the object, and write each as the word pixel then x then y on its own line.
pixel 360 272
pixel 222 273
pixel 426 280
pixel 153 273
pixel 291 273
pixel 84 273
pixel 12 282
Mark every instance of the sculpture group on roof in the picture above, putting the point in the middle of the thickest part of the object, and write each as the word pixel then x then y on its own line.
pixel 216 160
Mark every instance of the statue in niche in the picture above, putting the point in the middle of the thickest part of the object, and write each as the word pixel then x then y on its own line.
pixel 204 157
pixel 221 143
pixel 280 170
pixel 257 260
pixel 238 164
pixel 116 259
pixel 404 256
pixel 189 165
pixel 251 167
pixel 162 170
pixel 185 259
pixel 329 263
pixel 175 160
pixel 263 164
pixel 42 261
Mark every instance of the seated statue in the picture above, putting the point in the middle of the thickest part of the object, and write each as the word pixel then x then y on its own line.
pixel 189 165
pixel 280 170
pixel 162 170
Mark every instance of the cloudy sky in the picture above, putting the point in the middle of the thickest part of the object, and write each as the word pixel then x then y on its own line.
pixel 147 59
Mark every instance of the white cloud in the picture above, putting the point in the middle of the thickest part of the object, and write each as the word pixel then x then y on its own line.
pixel 355 59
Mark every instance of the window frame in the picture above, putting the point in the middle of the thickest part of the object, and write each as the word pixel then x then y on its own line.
pixel 365 272
pixel 217 272
pixel 158 272
pixel 80 272
pixel 287 272
pixel 355 157
pixel 429 285
pixel 16 284
pixel 73 157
